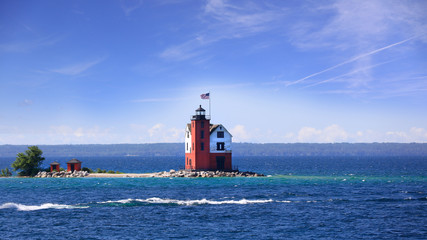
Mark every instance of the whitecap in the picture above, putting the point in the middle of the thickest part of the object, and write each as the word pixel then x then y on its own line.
pixel 22 207
pixel 118 201
pixel 155 200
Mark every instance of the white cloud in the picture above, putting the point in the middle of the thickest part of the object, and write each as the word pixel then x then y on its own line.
pixel 354 24
pixel 128 6
pixel 63 134
pixel 155 130
pixel 160 133
pixel 241 20
pixel 225 21
pixel 333 133
pixel 26 46
pixel 240 134
pixel 357 59
pixel 77 68
pixel 148 100
pixel 413 135
pixel 370 32
pixel 26 102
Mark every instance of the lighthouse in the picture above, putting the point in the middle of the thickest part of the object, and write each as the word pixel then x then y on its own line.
pixel 207 146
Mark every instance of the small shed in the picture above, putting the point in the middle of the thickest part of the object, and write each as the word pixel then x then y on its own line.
pixel 74 165
pixel 54 166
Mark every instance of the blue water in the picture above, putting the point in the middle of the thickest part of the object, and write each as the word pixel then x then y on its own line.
pixel 304 198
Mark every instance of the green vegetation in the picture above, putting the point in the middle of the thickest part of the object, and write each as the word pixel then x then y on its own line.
pixel 87 170
pixel 98 170
pixel 29 162
pixel 5 173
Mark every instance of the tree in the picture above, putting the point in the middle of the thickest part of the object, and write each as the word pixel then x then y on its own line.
pixel 5 173
pixel 29 162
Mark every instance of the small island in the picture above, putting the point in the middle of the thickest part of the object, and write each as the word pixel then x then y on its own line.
pixel 207 155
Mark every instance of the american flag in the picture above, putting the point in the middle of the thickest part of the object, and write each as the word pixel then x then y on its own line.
pixel 205 96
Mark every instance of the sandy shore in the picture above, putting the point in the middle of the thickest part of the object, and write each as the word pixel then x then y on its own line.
pixel 124 175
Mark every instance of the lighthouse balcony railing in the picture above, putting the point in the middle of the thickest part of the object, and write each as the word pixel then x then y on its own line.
pixel 201 117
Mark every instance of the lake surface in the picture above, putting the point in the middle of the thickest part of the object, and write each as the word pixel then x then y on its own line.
pixel 302 198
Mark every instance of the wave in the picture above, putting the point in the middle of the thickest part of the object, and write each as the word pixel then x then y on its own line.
pixel 176 202
pixel 204 201
pixel 22 207
pixel 130 201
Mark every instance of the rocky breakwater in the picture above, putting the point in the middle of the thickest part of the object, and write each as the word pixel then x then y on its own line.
pixel 62 174
pixel 205 174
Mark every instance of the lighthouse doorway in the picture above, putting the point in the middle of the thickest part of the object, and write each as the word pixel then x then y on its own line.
pixel 220 162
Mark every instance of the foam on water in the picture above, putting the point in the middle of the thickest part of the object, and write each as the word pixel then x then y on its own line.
pixel 204 201
pixel 22 207
pixel 166 201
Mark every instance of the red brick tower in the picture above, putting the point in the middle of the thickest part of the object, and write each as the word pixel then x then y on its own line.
pixel 198 154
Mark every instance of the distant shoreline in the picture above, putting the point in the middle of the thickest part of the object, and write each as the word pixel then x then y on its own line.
pixel 239 149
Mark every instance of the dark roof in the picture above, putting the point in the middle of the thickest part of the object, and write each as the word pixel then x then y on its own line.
pixel 74 161
pixel 213 127
pixel 54 163
pixel 200 108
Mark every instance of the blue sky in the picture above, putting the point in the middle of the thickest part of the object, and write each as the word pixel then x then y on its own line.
pixel 77 72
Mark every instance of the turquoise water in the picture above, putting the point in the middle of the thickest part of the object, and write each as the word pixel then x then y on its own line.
pixel 308 198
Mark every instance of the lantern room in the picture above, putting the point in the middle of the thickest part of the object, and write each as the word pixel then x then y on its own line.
pixel 200 114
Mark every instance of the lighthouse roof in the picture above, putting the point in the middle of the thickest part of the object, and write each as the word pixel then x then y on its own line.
pixel 200 108
pixel 54 163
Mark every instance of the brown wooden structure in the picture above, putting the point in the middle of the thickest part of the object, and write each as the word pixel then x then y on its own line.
pixel 74 165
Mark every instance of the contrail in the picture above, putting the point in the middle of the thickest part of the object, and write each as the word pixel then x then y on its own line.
pixel 350 60
pixel 346 74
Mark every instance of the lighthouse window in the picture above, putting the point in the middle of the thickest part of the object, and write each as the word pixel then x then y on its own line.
pixel 202 134
pixel 202 124
pixel 220 134
pixel 187 146
pixel 202 146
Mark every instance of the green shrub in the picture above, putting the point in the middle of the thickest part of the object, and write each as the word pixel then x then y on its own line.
pixel 87 170
pixel 98 170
